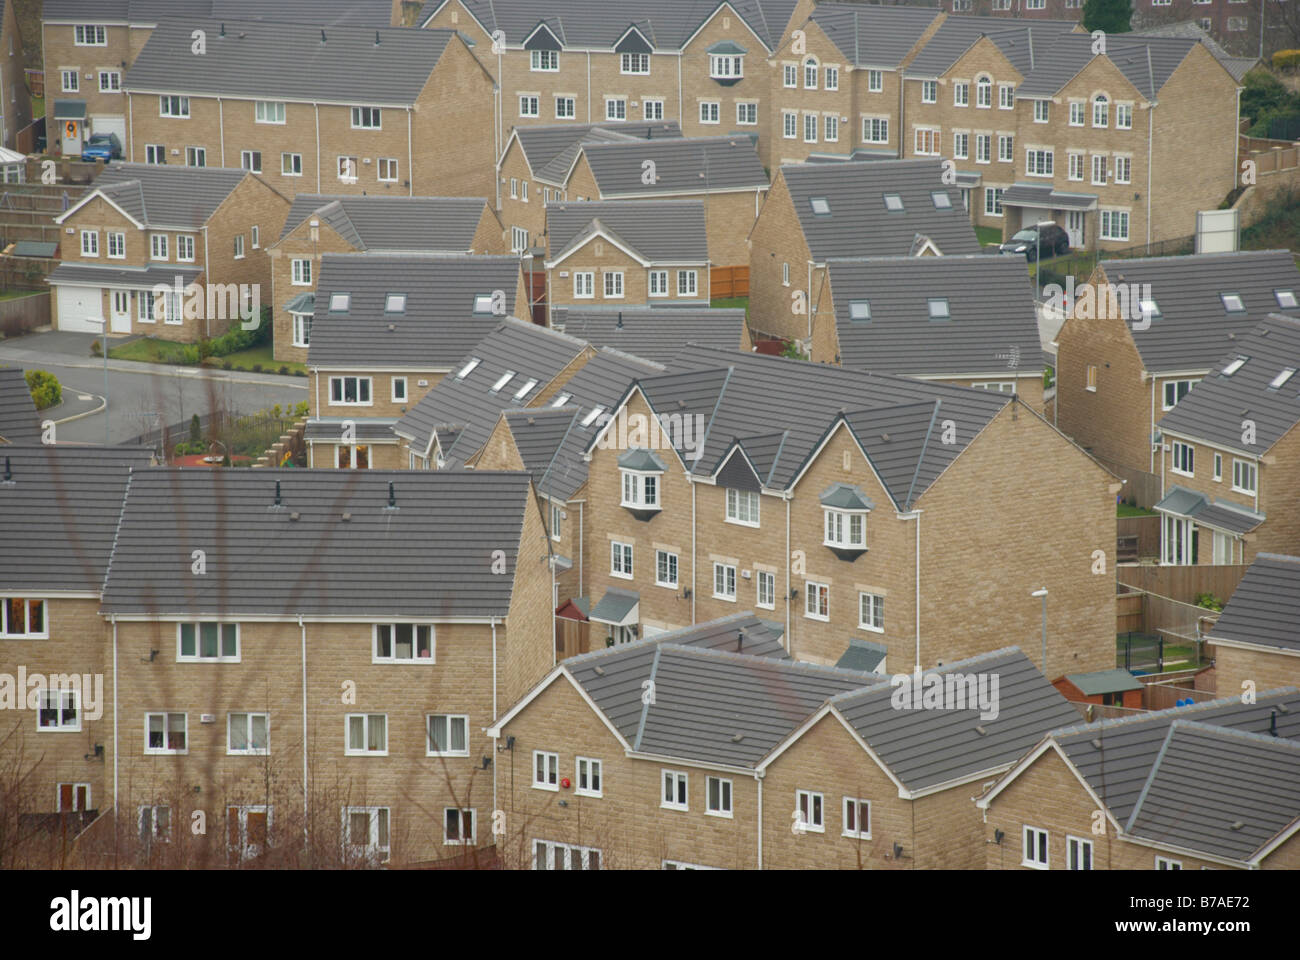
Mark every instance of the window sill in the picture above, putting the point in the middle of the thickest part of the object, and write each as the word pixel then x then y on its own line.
pixel 863 626
pixel 819 619
pixel 464 753
pixel 740 523
pixel 1181 473
pixel 718 596
pixel 549 788
pixel 856 836
pixel 1033 866
pixel 673 806
pixel 720 815
pixel 621 576
pixel 365 753
pixel 667 586
pixel 588 793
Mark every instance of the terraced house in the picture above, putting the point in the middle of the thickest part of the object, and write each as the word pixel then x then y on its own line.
pixel 819 211
pixel 89 45
pixel 384 331
pixel 380 226
pixel 836 500
pixel 316 109
pixel 142 226
pixel 1148 792
pixel 1256 639
pixel 1229 476
pixel 703 65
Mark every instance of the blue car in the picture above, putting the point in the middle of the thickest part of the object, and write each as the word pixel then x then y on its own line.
pixel 102 146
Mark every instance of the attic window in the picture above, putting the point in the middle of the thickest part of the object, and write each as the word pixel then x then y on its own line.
pixel 590 418
pixel 1285 299
pixel 528 385
pixel 339 302
pixel 1232 302
pixel 859 310
pixel 939 308
pixel 941 200
pixel 1281 378
pixel 466 370
pixel 502 381
pixel 821 207
pixel 893 202
pixel 1234 366
pixel 395 303
pixel 562 399
pixel 482 303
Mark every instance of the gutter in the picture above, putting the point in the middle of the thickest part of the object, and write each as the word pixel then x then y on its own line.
pixel 303 628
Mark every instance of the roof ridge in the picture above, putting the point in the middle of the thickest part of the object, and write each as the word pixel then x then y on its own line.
pixel 925 445
pixel 1161 716
pixel 647 702
pixel 758 659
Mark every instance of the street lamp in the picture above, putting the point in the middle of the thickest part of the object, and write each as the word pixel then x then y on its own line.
pixel 1042 592
pixel 103 322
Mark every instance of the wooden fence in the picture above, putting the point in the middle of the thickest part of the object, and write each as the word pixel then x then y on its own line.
pixel 728 282
pixel 1183 583
pixel 1145 529
pixel 572 637
pixel 24 314
pixel 1130 613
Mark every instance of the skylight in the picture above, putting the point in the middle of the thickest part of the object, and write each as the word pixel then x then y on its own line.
pixel 482 303
pixel 1285 299
pixel 1232 302
pixel 1148 308
pixel 821 206
pixel 561 400
pixel 466 370
pixel 590 418
pixel 938 308
pixel 893 202
pixel 339 302
pixel 528 385
pixel 941 200
pixel 859 309
pixel 504 379
pixel 1281 378
pixel 1234 366
pixel 395 303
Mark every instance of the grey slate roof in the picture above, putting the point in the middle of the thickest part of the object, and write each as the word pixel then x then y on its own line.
pixel 263 60
pixel 551 149
pixel 1043 195
pixel 1146 62
pixel 1118 769
pixel 859 225
pixel 367 430
pixel 781 410
pixel 1194 796
pixel 862 655
pixel 652 333
pixel 439 324
pixel 993 325
pixel 924 748
pixel 871 35
pixel 1192 331
pixel 1022 44
pixel 1189 29
pixel 419 224
pixel 133 277
pixel 1265 608
pixel 660 231
pixel 1214 409
pixel 166 195
pixel 538 433
pixel 469 406
pixel 429 557
pixel 683 165
pixel 614 606
pixel 667 24
pixel 373 13
pixel 1220 514
pixel 1103 681
pixel 62 506
pixel 19 422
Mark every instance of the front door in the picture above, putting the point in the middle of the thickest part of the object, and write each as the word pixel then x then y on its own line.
pixel 1074 227
pixel 121 313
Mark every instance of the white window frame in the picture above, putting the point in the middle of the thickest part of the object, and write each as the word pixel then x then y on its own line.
pixel 727 581
pixel 1078 113
pixel 640 489
pixel 762 577
pixel 530 105
pixel 1241 468
pixel 837 528
pixel 90 243
pixel 196 157
pixel 589 856
pixel 402 395
pixel 961 93
pixel 615 109
pixel 929 91
pixel 613 284
pixel 710 111
pixel 168 717
pixel 114 84
pixel 584 285
pixel 387 170
pixel 634 64
pixel 465 816
pixel 587 770
pixel 197 628
pixel 1182 453
pixel 1075 847
pixel 250 750
pixel 810 805
pixel 1167 863
pixel 291 164
pixel 1033 840
pixel 393 658
pixel 373 849
pixel 726 792
pixel 61 708
pixel 251 160
pixel 621 559
pixel 1006 96
pixel 674 784
pixel 674 567
pixel 1042 111
pixel 269 111
pixel 450 719
pixel 342 380
pixel 70 75
pixel 750 515
pixel 855 804
pixel 726 66
pixel 177 108
pixel 875 129
pixel 301 329
pixel 1111 221
pixel 184 248
pixel 1101 111
pixel 817 600
pixel 652 109
pixel 871 607
pixel 746 113
pixel 366 721
pixel 367 118
pixel 688 283
pixel 99 38
pixel 658 280
pixel 550 771
pixel 565 108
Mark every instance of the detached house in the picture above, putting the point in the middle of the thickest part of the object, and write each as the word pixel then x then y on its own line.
pixel 966 320
pixel 385 330
pixel 141 226
pixel 326 645
pixel 819 211
pixel 1257 637
pixel 317 225
pixel 316 109
pixel 1123 364
pixel 634 252
pixel 1148 792
pixel 1233 454
pixel 840 502
pixel 19 422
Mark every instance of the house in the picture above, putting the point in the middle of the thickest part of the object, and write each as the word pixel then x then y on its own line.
pixel 89 45
pixel 316 109
pixel 19 422
pixel 967 320
pixel 1147 792
pixel 62 504
pixel 702 65
pixel 15 107
pixel 1229 481
pixel 655 333
pixel 384 331
pixel 1120 367
pixel 1256 640
pixel 329 645
pixel 817 211
pixel 142 234
pixel 379 225
pixel 840 502
pixel 635 252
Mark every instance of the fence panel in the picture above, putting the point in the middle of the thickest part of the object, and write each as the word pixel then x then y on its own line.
pixel 1147 531
pixel 728 282
pixel 1184 583
pixel 24 314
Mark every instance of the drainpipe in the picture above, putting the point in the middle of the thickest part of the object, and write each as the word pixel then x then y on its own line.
pixel 221 129
pixel 582 545
pixel 759 777
pixel 808 306
pixel 410 156
pixel 694 559
pixel 302 627
pixel 207 277
pixel 539 105
pixel 1151 445
pixel 113 619
pixel 494 697
pixel 1150 119
pixel 316 107
pixel 789 643
pixel 130 121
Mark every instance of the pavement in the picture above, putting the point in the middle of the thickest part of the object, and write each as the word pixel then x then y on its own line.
pixel 138 394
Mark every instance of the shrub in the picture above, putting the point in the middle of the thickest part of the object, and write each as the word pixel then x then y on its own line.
pixel 196 430
pixel 45 388
pixel 1209 601
pixel 96 348
pixel 257 368
pixel 791 350
pixel 1286 59
pixel 189 355
pixel 284 371
pixel 227 365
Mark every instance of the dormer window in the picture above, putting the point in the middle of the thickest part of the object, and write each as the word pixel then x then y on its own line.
pixel 526 388
pixel 939 308
pixel 1232 302
pixel 502 381
pixel 726 67
pixel 1234 366
pixel 847 529
pixel 893 202
pixel 860 310
pixel 339 302
pixel 640 472
pixel 821 207
pixel 1285 299
pixel 466 370
pixel 395 303
pixel 845 508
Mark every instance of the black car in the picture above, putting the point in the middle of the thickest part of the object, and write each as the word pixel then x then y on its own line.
pixel 1046 238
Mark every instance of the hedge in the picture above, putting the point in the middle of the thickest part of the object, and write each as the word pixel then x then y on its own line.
pixel 45 388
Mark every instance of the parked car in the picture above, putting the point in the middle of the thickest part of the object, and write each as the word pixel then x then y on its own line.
pixel 102 146
pixel 1048 238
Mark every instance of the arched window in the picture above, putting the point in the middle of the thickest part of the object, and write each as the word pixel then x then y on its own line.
pixel 810 73
pixel 1100 111
pixel 984 92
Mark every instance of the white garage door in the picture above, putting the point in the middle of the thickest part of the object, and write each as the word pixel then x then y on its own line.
pixel 110 124
pixel 78 303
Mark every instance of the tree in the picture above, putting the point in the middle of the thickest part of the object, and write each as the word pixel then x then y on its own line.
pixel 1109 16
